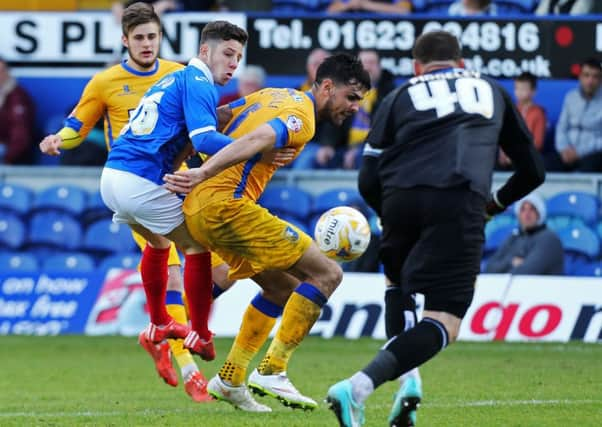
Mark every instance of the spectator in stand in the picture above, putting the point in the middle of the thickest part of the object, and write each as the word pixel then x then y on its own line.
pixel 390 7
pixel 17 117
pixel 162 6
pixel 533 249
pixel 251 79
pixel 579 128
pixel 567 7
pixel 341 147
pixel 382 83
pixel 472 7
pixel 321 152
pixel 525 86
pixel 314 59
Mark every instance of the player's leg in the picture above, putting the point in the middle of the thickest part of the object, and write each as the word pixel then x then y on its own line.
pixel 159 352
pixel 442 264
pixel 257 322
pixel 400 315
pixel 151 211
pixel 219 272
pixel 319 277
pixel 198 287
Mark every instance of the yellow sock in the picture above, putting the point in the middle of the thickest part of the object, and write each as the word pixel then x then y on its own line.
pixel 254 332
pixel 182 355
pixel 300 314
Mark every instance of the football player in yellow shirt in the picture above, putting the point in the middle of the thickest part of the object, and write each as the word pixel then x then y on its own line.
pixel 113 94
pixel 222 214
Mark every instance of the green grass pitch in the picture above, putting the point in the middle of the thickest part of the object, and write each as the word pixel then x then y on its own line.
pixel 110 381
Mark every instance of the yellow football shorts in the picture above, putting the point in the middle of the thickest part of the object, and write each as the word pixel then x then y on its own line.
pixel 248 237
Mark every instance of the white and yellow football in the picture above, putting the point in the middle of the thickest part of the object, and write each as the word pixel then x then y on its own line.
pixel 342 233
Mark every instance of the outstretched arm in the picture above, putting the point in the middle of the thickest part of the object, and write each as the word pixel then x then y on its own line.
pixel 258 141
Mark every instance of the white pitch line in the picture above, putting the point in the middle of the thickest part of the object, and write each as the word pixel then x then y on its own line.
pixel 532 402
pixel 460 404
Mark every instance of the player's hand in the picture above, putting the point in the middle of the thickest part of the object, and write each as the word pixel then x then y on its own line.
pixel 183 181
pixel 50 145
pixel 492 209
pixel 278 156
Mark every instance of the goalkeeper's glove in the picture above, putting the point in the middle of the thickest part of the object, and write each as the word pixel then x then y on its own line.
pixel 493 207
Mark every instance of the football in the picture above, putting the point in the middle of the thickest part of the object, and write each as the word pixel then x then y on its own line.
pixel 342 233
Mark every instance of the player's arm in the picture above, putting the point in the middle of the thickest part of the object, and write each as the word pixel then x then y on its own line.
pixel 82 119
pixel 224 115
pixel 260 140
pixel 380 136
pixel 517 143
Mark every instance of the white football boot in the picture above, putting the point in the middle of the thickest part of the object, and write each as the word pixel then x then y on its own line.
pixel 280 387
pixel 237 396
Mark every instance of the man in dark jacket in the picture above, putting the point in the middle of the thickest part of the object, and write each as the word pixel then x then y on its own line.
pixel 533 248
pixel 16 119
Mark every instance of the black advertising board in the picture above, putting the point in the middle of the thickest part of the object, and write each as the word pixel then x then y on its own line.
pixel 500 48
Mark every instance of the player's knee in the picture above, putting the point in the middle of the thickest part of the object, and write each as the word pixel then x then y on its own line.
pixel 331 277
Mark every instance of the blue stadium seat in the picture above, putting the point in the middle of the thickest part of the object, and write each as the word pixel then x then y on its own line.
pixel 305 6
pixel 12 231
pixel 499 221
pixel 515 6
pixel 589 269
pixel 284 200
pixel 338 197
pixel 62 198
pixel 54 230
pixel 497 237
pixel 121 260
pixel 104 237
pixel 95 209
pixel 18 262
pixel 557 223
pixel 431 6
pixel 68 262
pixel 15 198
pixel 574 204
pixel 580 240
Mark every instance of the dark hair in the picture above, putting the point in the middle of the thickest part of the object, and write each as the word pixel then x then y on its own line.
pixel 592 63
pixel 223 30
pixel 137 14
pixel 528 77
pixel 437 46
pixel 343 68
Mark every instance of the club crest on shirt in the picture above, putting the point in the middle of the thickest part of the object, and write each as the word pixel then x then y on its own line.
pixel 291 234
pixel 294 123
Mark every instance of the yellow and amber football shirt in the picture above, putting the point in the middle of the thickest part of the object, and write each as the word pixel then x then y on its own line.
pixel 113 94
pixel 291 113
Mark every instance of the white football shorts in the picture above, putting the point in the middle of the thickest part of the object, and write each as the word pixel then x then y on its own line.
pixel 136 200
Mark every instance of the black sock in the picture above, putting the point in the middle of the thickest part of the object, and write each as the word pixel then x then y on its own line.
pixel 398 310
pixel 410 350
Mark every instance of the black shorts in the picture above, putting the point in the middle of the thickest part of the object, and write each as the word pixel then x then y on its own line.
pixel 432 243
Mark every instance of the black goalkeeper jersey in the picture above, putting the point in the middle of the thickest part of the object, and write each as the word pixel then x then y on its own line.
pixel 442 129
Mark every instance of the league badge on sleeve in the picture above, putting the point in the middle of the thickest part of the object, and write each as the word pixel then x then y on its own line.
pixel 294 123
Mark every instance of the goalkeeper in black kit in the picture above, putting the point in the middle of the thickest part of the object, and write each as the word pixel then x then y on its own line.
pixel 427 172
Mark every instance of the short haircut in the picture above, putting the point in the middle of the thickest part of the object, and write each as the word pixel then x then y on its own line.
pixel 527 77
pixel 137 14
pixel 343 68
pixel 437 46
pixel 223 30
pixel 592 63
